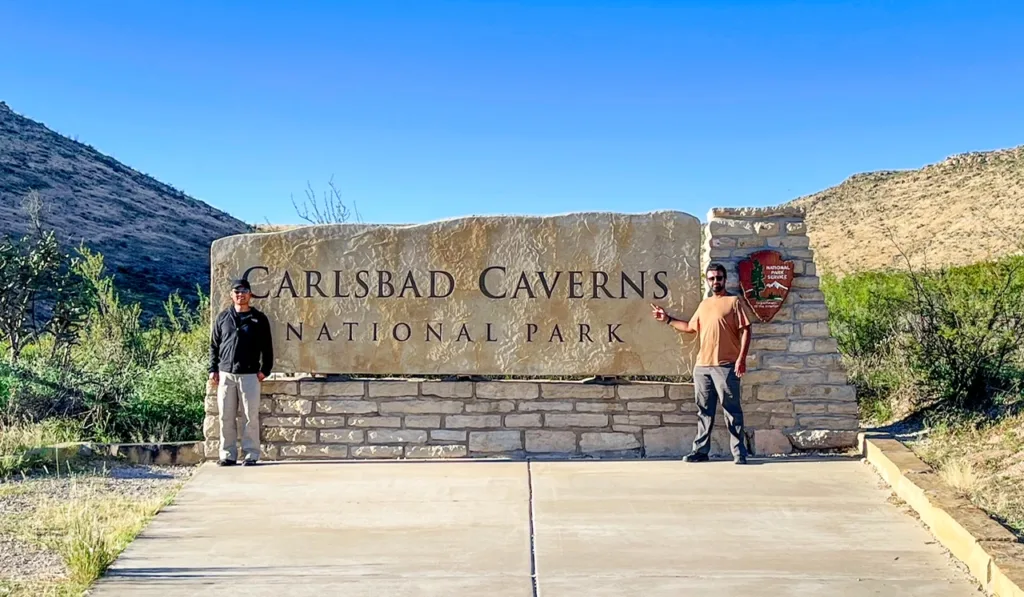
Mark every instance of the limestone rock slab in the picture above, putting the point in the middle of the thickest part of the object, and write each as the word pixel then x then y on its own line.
pixel 563 295
pixel 769 442
pixel 822 439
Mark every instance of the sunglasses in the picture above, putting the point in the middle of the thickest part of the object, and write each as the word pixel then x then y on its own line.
pixel 715 278
pixel 240 291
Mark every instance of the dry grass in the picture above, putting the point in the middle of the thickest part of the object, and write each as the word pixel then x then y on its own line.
pixel 60 528
pixel 87 529
pixel 984 462
pixel 17 440
pixel 959 474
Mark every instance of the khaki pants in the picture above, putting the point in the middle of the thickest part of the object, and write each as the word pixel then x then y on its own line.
pixel 235 389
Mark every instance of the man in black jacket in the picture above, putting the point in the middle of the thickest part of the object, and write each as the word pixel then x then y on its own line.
pixel 241 356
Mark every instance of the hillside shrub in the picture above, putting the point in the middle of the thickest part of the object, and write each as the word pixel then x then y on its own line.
pixel 950 339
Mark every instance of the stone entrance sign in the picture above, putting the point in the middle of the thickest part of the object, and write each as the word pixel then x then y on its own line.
pixel 509 295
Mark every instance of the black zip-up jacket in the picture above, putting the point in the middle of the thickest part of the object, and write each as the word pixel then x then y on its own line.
pixel 241 349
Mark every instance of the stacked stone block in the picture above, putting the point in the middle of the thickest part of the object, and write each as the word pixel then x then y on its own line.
pixel 796 381
pixel 324 419
pixel 319 418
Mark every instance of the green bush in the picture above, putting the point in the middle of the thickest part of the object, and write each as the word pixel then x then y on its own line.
pixel 967 330
pixel 865 309
pixel 946 340
pixel 167 404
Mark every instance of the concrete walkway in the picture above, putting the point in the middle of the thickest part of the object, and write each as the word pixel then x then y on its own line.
pixel 590 528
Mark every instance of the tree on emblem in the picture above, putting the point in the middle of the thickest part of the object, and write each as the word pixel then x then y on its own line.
pixel 765 299
pixel 757 280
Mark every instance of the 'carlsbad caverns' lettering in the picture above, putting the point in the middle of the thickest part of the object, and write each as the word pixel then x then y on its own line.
pixel 559 295
pixel 494 282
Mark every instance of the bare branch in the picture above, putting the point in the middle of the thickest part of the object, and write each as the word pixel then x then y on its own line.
pixel 328 208
pixel 33 206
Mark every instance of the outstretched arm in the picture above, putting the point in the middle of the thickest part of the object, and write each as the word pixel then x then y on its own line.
pixel 679 324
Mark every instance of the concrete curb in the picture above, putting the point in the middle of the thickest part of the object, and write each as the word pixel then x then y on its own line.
pixel 169 453
pixel 989 550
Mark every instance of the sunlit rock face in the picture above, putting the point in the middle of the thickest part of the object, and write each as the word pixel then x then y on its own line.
pixel 507 295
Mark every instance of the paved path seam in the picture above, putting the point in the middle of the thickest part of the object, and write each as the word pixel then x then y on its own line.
pixel 533 534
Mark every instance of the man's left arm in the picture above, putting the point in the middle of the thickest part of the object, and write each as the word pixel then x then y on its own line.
pixel 744 325
pixel 266 350
pixel 741 362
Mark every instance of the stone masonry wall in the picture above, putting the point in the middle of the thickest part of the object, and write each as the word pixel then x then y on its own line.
pixel 796 381
pixel 319 418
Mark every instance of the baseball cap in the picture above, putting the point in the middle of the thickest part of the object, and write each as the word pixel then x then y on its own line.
pixel 241 285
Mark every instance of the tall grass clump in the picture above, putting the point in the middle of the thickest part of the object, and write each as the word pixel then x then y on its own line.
pixel 17 442
pixel 89 530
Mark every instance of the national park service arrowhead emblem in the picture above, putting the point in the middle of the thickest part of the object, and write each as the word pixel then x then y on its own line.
pixel 765 280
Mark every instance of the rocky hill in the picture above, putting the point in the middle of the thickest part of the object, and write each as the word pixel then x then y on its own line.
pixel 967 208
pixel 155 238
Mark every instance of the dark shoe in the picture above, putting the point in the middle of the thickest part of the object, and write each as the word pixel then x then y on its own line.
pixel 249 462
pixel 695 457
pixel 226 462
pixel 739 460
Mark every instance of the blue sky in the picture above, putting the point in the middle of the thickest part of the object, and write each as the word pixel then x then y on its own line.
pixel 426 110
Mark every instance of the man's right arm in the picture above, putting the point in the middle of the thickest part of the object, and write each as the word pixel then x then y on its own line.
pixel 688 327
pixel 682 326
pixel 215 348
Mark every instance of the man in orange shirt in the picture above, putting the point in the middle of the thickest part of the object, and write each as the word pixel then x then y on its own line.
pixel 724 332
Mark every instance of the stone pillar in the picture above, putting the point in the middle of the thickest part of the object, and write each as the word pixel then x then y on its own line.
pixel 796 383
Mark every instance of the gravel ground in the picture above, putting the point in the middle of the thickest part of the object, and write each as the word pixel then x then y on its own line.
pixel 22 559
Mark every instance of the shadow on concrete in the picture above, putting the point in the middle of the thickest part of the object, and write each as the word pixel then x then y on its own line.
pixel 751 461
pixel 137 472
pixel 214 572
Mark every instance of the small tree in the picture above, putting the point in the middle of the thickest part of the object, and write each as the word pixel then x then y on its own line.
pixel 757 279
pixel 329 208
pixel 40 293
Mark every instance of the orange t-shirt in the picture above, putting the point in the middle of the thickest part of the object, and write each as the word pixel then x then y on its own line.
pixel 719 321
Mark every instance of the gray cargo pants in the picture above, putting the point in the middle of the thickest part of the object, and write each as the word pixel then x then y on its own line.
pixel 236 390
pixel 711 384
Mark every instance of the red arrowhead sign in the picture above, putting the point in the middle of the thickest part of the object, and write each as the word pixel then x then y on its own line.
pixel 765 280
